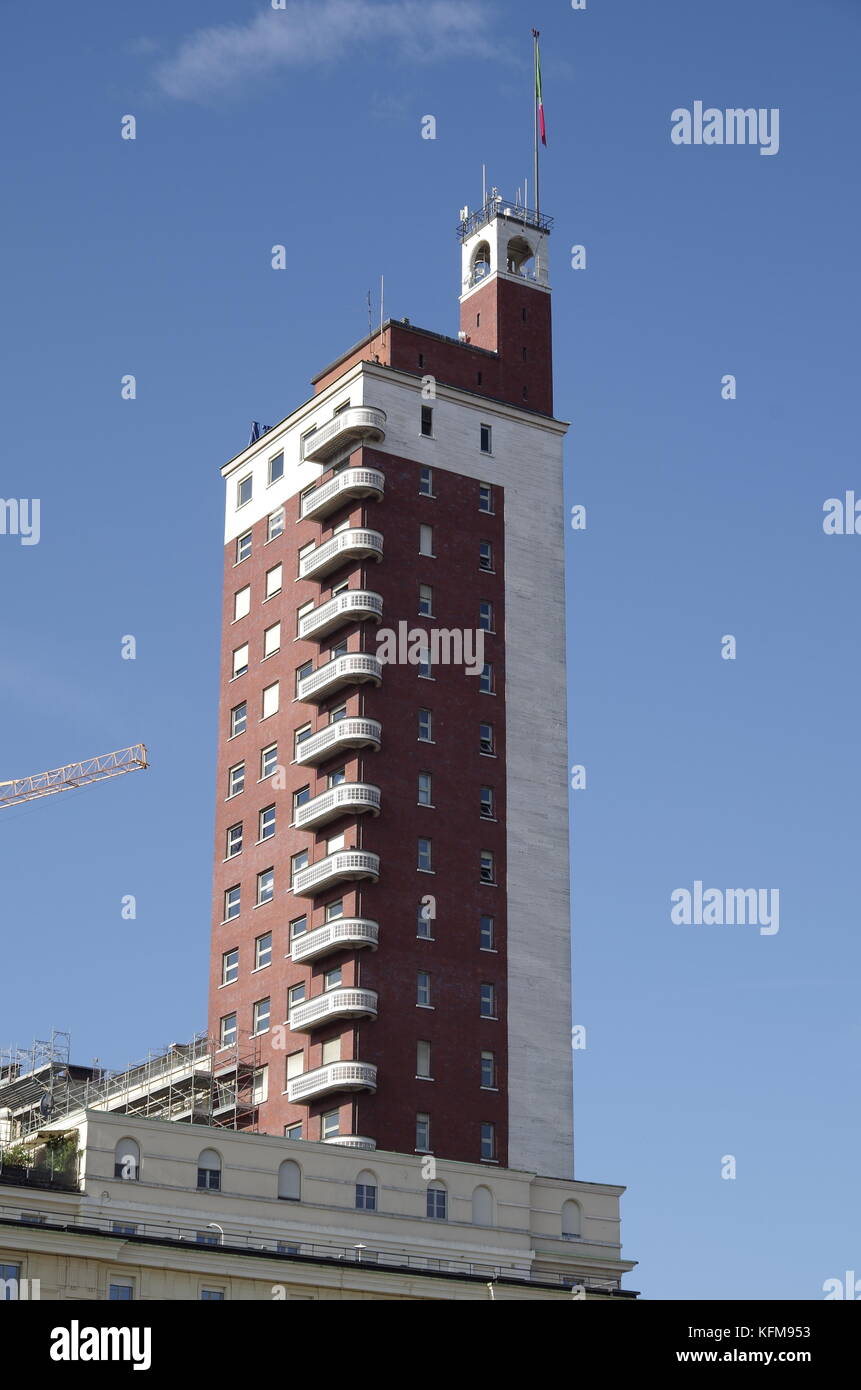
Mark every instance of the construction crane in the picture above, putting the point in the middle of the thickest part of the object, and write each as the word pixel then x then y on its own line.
pixel 61 779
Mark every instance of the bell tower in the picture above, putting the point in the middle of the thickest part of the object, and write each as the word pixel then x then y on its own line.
pixel 505 296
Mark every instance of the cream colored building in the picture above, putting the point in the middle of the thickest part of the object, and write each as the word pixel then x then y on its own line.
pixel 209 1213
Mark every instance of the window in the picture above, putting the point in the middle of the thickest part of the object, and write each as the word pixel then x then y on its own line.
pixel 335 843
pixel 426 482
pixel 486 439
pixel 273 580
pixel 425 726
pixel 485 498
pixel 303 672
pixel 297 863
pixel 425 665
pixel 269 761
pixel 240 660
pixel 485 556
pixel 330 1124
pixel 487 867
pixel 276 468
pixel 293 1131
pixel 427 421
pixel 570 1220
pixel 366 1192
pixel 485 680
pixel 488 1001
pixel 332 978
pixel 231 903
pixel 488 1071
pixel 339 712
pixel 330 1051
pixel 423 989
pixel 238 719
pixel 243 547
pixel 265 886
pixel 488 1141
pixel 234 841
pixel 289 1181
pixel 204 1238
pixel 425 601
pixel 482 1207
pixel 236 779
pixel 271 640
pixel 485 738
pixel 298 927
pixel 423 1133
pixel 267 823
pixel 487 929
pixel 244 490
pixel 306 439
pixel 485 616
pixel 295 1064
pixel 270 700
pixel 424 921
pixel 227 1033
pixel 211 1295
pixel 260 1085
pixel 300 737
pixel 304 551
pixel 425 797
pixel 486 803
pixel 209 1170
pixel 426 540
pixel 423 1060
pixel 341 588
pixel 127 1160
pixel 242 602
pixel 337 778
pixel 123 1228
pixel 121 1291
pixel 260 1011
pixel 437 1203
pixel 302 612
pixel 263 951
pixel 230 966
pixel 295 995
pixel 424 855
pixel 300 798
pixel 335 910
pixel 10 1279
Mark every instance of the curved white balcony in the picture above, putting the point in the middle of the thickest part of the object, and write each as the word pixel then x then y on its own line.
pixel 353 606
pixel 348 799
pixel 335 1003
pixel 337 1076
pixel 358 424
pixel 350 483
pixel 336 738
pixel 342 866
pixel 355 543
pixel 350 669
pixel 346 934
pixel 352 1141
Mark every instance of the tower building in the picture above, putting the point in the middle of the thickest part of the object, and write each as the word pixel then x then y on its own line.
pixel 390 941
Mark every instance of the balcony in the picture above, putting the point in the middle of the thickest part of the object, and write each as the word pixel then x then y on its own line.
pixel 352 1141
pixel 350 669
pixel 346 934
pixel 354 543
pixel 348 799
pixel 337 1076
pixel 342 866
pixel 350 483
pixel 358 424
pixel 336 738
pixel 334 1004
pixel 353 606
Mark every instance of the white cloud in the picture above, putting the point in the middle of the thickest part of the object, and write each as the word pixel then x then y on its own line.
pixel 213 62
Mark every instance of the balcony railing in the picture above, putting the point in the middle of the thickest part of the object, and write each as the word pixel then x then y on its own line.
pixel 352 1141
pixel 353 606
pixel 347 934
pixel 355 543
pixel 348 799
pixel 335 738
pixel 357 424
pixel 335 1003
pixel 352 668
pixel 342 866
pixel 351 482
pixel 336 1076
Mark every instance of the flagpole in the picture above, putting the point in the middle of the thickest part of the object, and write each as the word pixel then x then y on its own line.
pixel 535 118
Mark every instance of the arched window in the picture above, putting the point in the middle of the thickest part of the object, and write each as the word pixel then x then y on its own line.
pixel 127 1160
pixel 437 1201
pixel 518 256
pixel 209 1170
pixel 482 1207
pixel 480 266
pixel 290 1181
pixel 366 1191
pixel 571 1220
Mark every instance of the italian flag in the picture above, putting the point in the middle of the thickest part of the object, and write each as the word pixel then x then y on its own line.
pixel 538 94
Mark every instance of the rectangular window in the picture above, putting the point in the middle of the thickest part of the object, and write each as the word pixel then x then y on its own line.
pixel 335 843
pixel 267 823
pixel 297 863
pixel 487 1001
pixel 486 439
pixel 271 640
pixel 423 1060
pixel 424 854
pixel 269 761
pixel 270 700
pixel 300 737
pixel 425 794
pixel 485 680
pixel 240 660
pixel 243 547
pixel 423 1133
pixel 424 920
pixel 292 1132
pixel 425 601
pixel 230 966
pixel 236 779
pixel 227 1031
pixel 425 666
pixel 260 1086
pixel 242 603
pixel 300 798
pixel 273 580
pixel 485 498
pixel 298 927
pixel 487 867
pixel 265 886
pixel 238 719
pixel 302 612
pixel 485 738
pixel 426 482
pixel 335 910
pixel 486 803
pixel 423 989
pixel 488 1071
pixel 337 778
pixel 243 491
pixel 330 1051
pixel 426 540
pixel 295 1064
pixel 339 712
pixel 427 420
pixel 303 672
pixel 234 841
pixel 260 1017
pixel 211 1295
pixel 332 978
pixel 485 556
pixel 263 951
pixel 306 440
pixel 330 1124
pixel 122 1291
pixel 485 616
pixel 487 933
pixel 488 1141
pixel 366 1196
pixel 276 468
pixel 231 903
pixel 425 726
pixel 437 1203
pixel 295 995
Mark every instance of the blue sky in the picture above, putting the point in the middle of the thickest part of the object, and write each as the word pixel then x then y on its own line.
pixel 152 257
